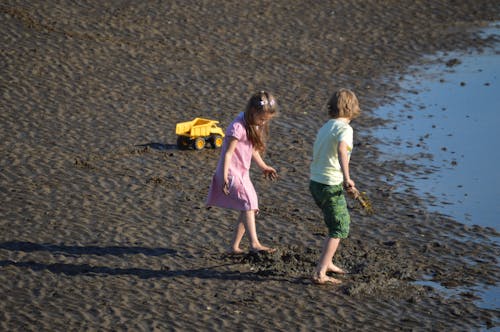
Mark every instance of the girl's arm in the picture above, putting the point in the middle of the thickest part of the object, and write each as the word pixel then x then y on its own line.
pixel 269 172
pixel 344 164
pixel 231 146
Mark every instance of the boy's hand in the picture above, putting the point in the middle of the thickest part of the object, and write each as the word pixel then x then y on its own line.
pixel 353 192
pixel 351 189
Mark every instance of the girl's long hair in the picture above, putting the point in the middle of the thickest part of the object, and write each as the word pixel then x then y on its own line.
pixel 260 102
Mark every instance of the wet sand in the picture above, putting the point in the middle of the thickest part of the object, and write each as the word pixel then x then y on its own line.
pixel 103 224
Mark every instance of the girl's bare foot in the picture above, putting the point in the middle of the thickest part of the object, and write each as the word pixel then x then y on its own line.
pixel 323 280
pixel 263 249
pixel 335 269
pixel 235 251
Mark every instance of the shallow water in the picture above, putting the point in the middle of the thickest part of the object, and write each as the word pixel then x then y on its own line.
pixel 454 119
pixel 447 119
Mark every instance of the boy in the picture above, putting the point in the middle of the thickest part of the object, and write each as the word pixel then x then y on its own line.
pixel 330 176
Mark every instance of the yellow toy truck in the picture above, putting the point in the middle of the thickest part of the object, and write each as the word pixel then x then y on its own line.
pixel 197 133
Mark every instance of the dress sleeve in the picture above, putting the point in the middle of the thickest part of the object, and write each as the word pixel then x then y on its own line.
pixel 237 130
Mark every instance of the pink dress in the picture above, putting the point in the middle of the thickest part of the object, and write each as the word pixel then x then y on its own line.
pixel 242 195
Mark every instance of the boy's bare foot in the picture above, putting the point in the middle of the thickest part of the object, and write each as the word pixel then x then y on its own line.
pixel 323 280
pixel 335 269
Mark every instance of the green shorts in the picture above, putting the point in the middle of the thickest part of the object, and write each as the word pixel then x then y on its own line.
pixel 331 200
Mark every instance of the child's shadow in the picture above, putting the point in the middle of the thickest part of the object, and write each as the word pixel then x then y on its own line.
pixel 159 146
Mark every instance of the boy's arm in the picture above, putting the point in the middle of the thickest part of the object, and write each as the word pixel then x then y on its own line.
pixel 344 165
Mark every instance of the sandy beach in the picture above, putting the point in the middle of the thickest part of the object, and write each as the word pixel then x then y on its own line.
pixel 103 223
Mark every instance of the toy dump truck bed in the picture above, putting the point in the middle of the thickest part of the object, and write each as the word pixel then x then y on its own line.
pixel 196 127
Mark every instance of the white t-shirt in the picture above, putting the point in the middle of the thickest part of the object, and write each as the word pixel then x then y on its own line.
pixel 325 166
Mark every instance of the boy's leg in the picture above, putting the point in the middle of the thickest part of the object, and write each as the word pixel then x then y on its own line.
pixel 330 246
pixel 331 201
pixel 249 221
pixel 239 231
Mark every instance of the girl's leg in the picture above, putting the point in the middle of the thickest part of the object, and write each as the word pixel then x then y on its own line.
pixel 325 262
pixel 249 222
pixel 239 231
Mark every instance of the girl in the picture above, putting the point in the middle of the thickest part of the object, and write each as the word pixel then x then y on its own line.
pixel 231 186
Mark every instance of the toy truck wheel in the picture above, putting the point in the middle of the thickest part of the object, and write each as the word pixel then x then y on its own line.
pixel 199 143
pixel 216 141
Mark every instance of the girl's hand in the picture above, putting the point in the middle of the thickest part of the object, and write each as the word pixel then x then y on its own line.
pixel 270 173
pixel 225 188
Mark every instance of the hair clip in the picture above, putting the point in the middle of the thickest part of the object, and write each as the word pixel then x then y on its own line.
pixel 265 102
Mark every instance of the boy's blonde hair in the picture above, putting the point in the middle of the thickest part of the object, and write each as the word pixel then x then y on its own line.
pixel 344 104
